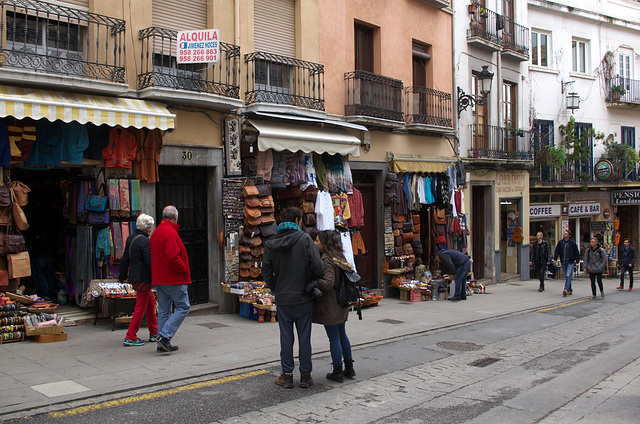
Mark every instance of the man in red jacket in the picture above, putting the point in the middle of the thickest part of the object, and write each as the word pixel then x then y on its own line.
pixel 170 275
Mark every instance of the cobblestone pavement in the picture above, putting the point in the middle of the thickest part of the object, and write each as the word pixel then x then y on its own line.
pixel 525 380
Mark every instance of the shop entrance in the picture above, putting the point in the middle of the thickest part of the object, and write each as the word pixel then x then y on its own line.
pixel 186 189
pixel 367 263
pixel 478 230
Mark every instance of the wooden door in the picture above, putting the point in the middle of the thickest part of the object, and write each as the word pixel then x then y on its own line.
pixel 477 230
pixel 367 263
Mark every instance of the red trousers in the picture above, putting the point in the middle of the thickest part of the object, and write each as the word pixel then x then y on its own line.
pixel 145 304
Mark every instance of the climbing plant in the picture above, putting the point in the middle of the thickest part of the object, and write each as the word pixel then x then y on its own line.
pixel 578 149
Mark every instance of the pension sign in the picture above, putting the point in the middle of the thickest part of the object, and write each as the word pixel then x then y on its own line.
pixel 198 46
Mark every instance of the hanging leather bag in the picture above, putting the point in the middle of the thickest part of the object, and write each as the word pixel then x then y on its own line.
pixel 19 217
pixel 20 193
pixel 11 243
pixel 5 196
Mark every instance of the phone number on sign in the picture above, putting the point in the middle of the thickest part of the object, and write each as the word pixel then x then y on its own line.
pixel 197 58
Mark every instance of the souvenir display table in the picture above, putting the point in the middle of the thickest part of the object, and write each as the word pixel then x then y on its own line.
pixel 111 298
pixel 254 300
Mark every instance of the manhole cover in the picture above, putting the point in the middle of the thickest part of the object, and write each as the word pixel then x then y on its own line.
pixel 390 321
pixel 461 346
pixel 484 362
pixel 213 325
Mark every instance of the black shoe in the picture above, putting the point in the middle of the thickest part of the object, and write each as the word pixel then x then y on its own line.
pixel 348 368
pixel 454 299
pixel 306 381
pixel 164 345
pixel 337 374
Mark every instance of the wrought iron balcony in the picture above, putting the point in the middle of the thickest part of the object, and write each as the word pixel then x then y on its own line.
pixel 159 67
pixel 429 107
pixel 485 24
pixel 284 80
pixel 55 39
pixel 571 172
pixel 516 39
pixel 492 142
pixel 623 90
pixel 373 95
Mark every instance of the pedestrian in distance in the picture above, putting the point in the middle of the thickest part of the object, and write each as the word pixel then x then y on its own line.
pixel 567 251
pixel 326 309
pixel 540 258
pixel 136 263
pixel 454 262
pixel 171 275
pixel 290 262
pixel 595 264
pixel 626 262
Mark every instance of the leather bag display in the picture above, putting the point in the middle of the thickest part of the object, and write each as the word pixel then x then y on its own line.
pixel 18 265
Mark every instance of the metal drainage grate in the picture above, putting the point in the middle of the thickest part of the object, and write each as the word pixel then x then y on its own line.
pixel 213 325
pixel 461 346
pixel 390 321
pixel 484 362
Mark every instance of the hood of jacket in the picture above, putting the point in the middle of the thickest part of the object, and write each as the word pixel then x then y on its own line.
pixel 285 239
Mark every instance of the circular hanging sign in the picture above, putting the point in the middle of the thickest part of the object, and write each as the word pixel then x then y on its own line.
pixel 605 213
pixel 603 170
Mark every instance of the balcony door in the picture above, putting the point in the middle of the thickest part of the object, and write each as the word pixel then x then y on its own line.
pixel 506 21
pixel 363 48
pixel 628 137
pixel 509 116
pixel 481 118
pixel 419 82
pixel 582 128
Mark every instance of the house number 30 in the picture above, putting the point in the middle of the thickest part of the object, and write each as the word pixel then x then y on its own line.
pixel 187 155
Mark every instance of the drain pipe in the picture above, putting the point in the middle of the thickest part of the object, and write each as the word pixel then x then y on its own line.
pixel 454 81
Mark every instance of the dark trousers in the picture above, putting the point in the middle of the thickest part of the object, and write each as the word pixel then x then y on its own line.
pixel 593 277
pixel 540 271
pixel 461 280
pixel 300 315
pixel 623 269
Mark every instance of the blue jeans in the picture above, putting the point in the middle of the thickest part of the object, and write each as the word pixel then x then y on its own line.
pixel 339 343
pixel 461 280
pixel 300 315
pixel 568 274
pixel 168 323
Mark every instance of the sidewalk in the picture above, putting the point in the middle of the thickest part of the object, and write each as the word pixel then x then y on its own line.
pixel 93 362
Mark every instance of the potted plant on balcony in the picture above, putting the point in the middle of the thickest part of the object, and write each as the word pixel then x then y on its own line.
pixel 622 156
pixel 617 91
pixel 473 7
pixel 483 12
pixel 578 145
pixel 553 157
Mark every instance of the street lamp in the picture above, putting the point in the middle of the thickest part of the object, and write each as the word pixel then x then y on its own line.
pixel 573 98
pixel 466 100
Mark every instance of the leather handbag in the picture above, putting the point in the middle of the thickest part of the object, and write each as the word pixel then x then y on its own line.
pixel 98 218
pixel 252 212
pixel 399 251
pixel 5 196
pixel 4 279
pixel 440 216
pixel 407 227
pixel 266 201
pixel 249 189
pixel 398 240
pixel 267 219
pixel 309 219
pixel 252 231
pixel 407 236
pixel 19 217
pixel 264 190
pixel 18 265
pixel 252 201
pixel 20 192
pixel 97 202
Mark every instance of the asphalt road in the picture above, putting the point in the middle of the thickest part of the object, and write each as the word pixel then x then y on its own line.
pixel 524 368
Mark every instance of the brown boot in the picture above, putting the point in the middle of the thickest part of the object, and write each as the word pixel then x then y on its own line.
pixel 306 381
pixel 285 380
pixel 348 368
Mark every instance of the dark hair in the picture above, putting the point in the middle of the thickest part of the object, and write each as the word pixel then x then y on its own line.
pixel 290 214
pixel 626 239
pixel 332 244
pixel 569 232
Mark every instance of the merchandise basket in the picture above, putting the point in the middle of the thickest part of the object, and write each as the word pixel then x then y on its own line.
pixel 44 331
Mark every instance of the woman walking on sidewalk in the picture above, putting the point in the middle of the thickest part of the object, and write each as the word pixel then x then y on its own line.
pixel 326 309
pixel 540 256
pixel 595 263
pixel 626 261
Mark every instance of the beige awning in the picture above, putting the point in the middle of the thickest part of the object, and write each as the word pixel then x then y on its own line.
pixel 22 102
pixel 281 136
pixel 418 163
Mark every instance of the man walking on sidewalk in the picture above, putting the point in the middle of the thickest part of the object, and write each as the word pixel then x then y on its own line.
pixel 595 264
pixel 626 261
pixel 455 262
pixel 291 259
pixel 170 274
pixel 540 255
pixel 567 251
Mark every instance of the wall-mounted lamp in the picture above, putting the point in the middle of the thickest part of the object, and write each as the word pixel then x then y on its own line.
pixel 573 99
pixel 466 100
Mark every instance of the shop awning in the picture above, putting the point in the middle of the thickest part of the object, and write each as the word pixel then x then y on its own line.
pixel 281 136
pixel 33 103
pixel 418 163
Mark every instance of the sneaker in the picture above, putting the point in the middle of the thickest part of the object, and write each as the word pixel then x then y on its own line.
pixel 620 287
pixel 285 380
pixel 153 337
pixel 630 288
pixel 136 342
pixel 164 345
pixel 594 297
pixel 161 350
pixel 602 295
pixel 306 381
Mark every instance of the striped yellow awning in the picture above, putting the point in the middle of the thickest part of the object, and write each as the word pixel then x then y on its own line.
pixel 21 102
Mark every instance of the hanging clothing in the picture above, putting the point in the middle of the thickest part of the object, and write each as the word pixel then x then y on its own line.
pixel 122 149
pixel 347 248
pixel 5 149
pixel 428 192
pixel 357 209
pixel 298 174
pixel 136 205
pixel 22 137
pixel 123 191
pixel 98 140
pixel 420 190
pixel 324 211
pixel 357 244
pixel 147 155
pixel 310 172
pixel 321 170
pixel 113 190
pixel 83 263
pixel 103 243
pixel 451 173
pixel 264 164
pixel 341 209
pixel 279 170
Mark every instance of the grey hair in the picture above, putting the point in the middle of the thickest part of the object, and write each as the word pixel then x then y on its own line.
pixel 144 222
pixel 169 212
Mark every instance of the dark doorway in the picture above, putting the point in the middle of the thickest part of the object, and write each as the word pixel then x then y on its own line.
pixel 478 230
pixel 367 263
pixel 186 189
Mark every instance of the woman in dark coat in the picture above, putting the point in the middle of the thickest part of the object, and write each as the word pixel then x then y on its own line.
pixel 540 258
pixel 326 309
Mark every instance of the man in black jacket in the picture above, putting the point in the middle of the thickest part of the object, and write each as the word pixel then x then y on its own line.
pixel 291 259
pixel 626 261
pixel 540 256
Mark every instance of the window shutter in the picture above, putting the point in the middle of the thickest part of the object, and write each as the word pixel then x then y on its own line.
pixel 179 16
pixel 274 27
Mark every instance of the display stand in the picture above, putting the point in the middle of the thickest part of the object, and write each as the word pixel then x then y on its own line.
pixel 114 305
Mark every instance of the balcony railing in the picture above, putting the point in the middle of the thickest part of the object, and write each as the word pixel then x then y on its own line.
pixel 373 95
pixel 54 39
pixel 515 37
pixel 429 107
pixel 618 85
pixel 159 68
pixel 491 142
pixel 484 23
pixel 571 173
pixel 284 80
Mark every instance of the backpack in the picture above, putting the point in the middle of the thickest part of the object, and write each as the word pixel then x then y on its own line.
pixel 349 292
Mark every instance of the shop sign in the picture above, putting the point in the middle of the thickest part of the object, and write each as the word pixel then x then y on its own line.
pixel 598 225
pixel 544 211
pixel 198 46
pixel 603 170
pixel 578 209
pixel 606 213
pixel 625 197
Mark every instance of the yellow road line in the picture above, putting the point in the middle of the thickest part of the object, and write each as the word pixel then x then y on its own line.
pixel 562 306
pixel 154 395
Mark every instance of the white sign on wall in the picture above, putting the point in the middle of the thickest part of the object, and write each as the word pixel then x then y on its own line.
pixel 544 211
pixel 198 46
pixel 578 209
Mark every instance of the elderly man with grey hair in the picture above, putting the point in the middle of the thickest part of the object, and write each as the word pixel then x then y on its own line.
pixel 136 262
pixel 171 275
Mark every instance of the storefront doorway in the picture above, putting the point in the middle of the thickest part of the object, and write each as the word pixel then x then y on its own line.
pixel 367 263
pixel 186 189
